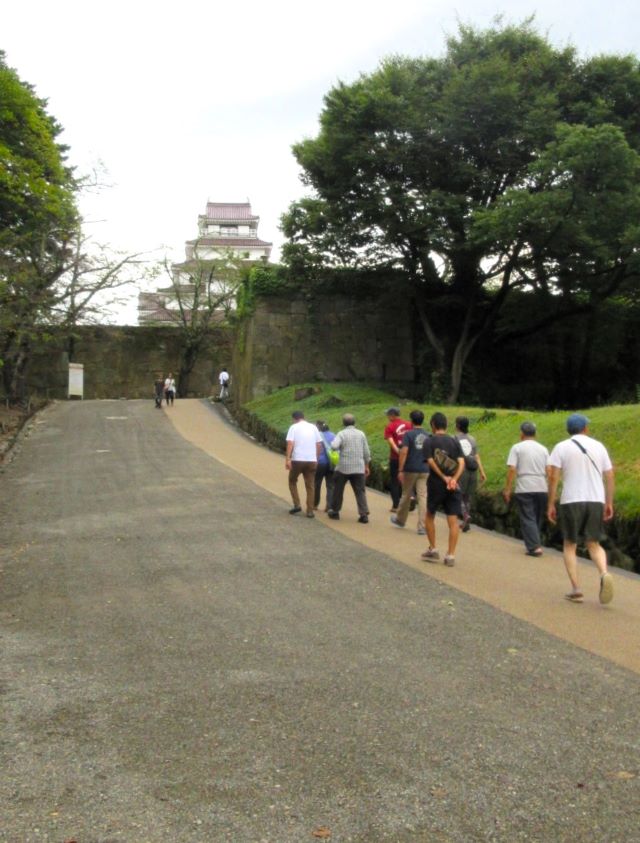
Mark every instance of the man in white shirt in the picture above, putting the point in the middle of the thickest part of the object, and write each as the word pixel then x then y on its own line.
pixel 586 501
pixel 527 465
pixel 303 449
pixel 224 380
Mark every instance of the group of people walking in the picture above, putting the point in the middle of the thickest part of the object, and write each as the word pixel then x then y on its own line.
pixel 433 471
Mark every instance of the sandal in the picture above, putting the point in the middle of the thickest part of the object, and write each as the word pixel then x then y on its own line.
pixel 574 597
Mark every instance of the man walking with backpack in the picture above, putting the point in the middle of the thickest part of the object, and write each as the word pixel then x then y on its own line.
pixel 446 464
pixel 472 468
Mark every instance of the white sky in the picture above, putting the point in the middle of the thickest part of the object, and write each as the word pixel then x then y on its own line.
pixel 192 101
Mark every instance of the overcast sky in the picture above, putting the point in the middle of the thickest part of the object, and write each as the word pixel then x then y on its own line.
pixel 192 101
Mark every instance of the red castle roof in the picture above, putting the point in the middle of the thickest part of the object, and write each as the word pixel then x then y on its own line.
pixel 229 211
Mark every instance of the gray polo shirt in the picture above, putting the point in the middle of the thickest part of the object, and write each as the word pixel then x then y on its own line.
pixel 529 458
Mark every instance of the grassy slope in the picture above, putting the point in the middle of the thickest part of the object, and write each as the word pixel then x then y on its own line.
pixel 618 427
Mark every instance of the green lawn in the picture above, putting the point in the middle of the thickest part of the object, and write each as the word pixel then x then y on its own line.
pixel 495 429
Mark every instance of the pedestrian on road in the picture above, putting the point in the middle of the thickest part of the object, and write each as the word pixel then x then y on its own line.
pixel 224 379
pixel 472 468
pixel 586 501
pixel 393 433
pixel 324 471
pixel 158 389
pixel 446 464
pixel 303 449
pixel 527 465
pixel 353 467
pixel 412 472
pixel 169 389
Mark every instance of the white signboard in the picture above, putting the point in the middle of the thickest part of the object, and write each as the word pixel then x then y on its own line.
pixel 76 380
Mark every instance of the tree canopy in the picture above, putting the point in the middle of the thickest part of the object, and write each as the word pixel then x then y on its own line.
pixel 505 164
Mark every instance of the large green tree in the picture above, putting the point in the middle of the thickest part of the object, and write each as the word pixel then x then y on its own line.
pixel 505 164
pixel 38 219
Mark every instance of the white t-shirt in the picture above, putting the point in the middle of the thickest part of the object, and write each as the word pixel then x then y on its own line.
pixel 223 378
pixel 304 436
pixel 581 479
pixel 529 458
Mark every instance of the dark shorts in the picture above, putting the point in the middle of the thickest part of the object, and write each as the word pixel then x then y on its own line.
pixel 582 521
pixel 439 497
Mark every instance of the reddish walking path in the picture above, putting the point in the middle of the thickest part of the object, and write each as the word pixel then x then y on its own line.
pixel 489 566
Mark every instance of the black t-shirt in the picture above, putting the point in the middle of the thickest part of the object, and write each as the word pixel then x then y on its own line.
pixel 449 444
pixel 416 441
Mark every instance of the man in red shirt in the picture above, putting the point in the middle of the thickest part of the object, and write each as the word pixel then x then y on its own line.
pixel 393 433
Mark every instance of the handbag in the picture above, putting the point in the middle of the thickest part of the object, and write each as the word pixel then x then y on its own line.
pixel 332 456
pixel 447 465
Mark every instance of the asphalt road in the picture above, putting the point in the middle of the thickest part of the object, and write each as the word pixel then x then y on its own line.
pixel 184 661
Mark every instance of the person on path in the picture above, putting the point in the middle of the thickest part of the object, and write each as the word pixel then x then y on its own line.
pixel 224 379
pixel 412 472
pixel 353 467
pixel 158 391
pixel 586 501
pixel 446 464
pixel 527 465
pixel 393 433
pixel 472 468
pixel 169 389
pixel 303 449
pixel 324 471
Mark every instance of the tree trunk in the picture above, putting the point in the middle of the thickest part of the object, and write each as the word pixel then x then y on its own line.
pixel 458 362
pixel 189 358
pixel 17 391
pixel 71 347
pixel 439 375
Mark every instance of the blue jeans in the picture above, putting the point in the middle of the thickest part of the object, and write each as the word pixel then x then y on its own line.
pixel 532 507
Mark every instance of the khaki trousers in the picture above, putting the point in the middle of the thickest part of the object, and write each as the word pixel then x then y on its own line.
pixel 308 471
pixel 413 481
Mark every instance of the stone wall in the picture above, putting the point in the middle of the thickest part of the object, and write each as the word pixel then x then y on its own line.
pixel 284 341
pixel 287 341
pixel 122 362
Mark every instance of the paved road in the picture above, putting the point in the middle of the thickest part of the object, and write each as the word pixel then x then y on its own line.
pixel 184 661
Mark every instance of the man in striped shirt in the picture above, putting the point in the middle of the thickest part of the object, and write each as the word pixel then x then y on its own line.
pixel 353 467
